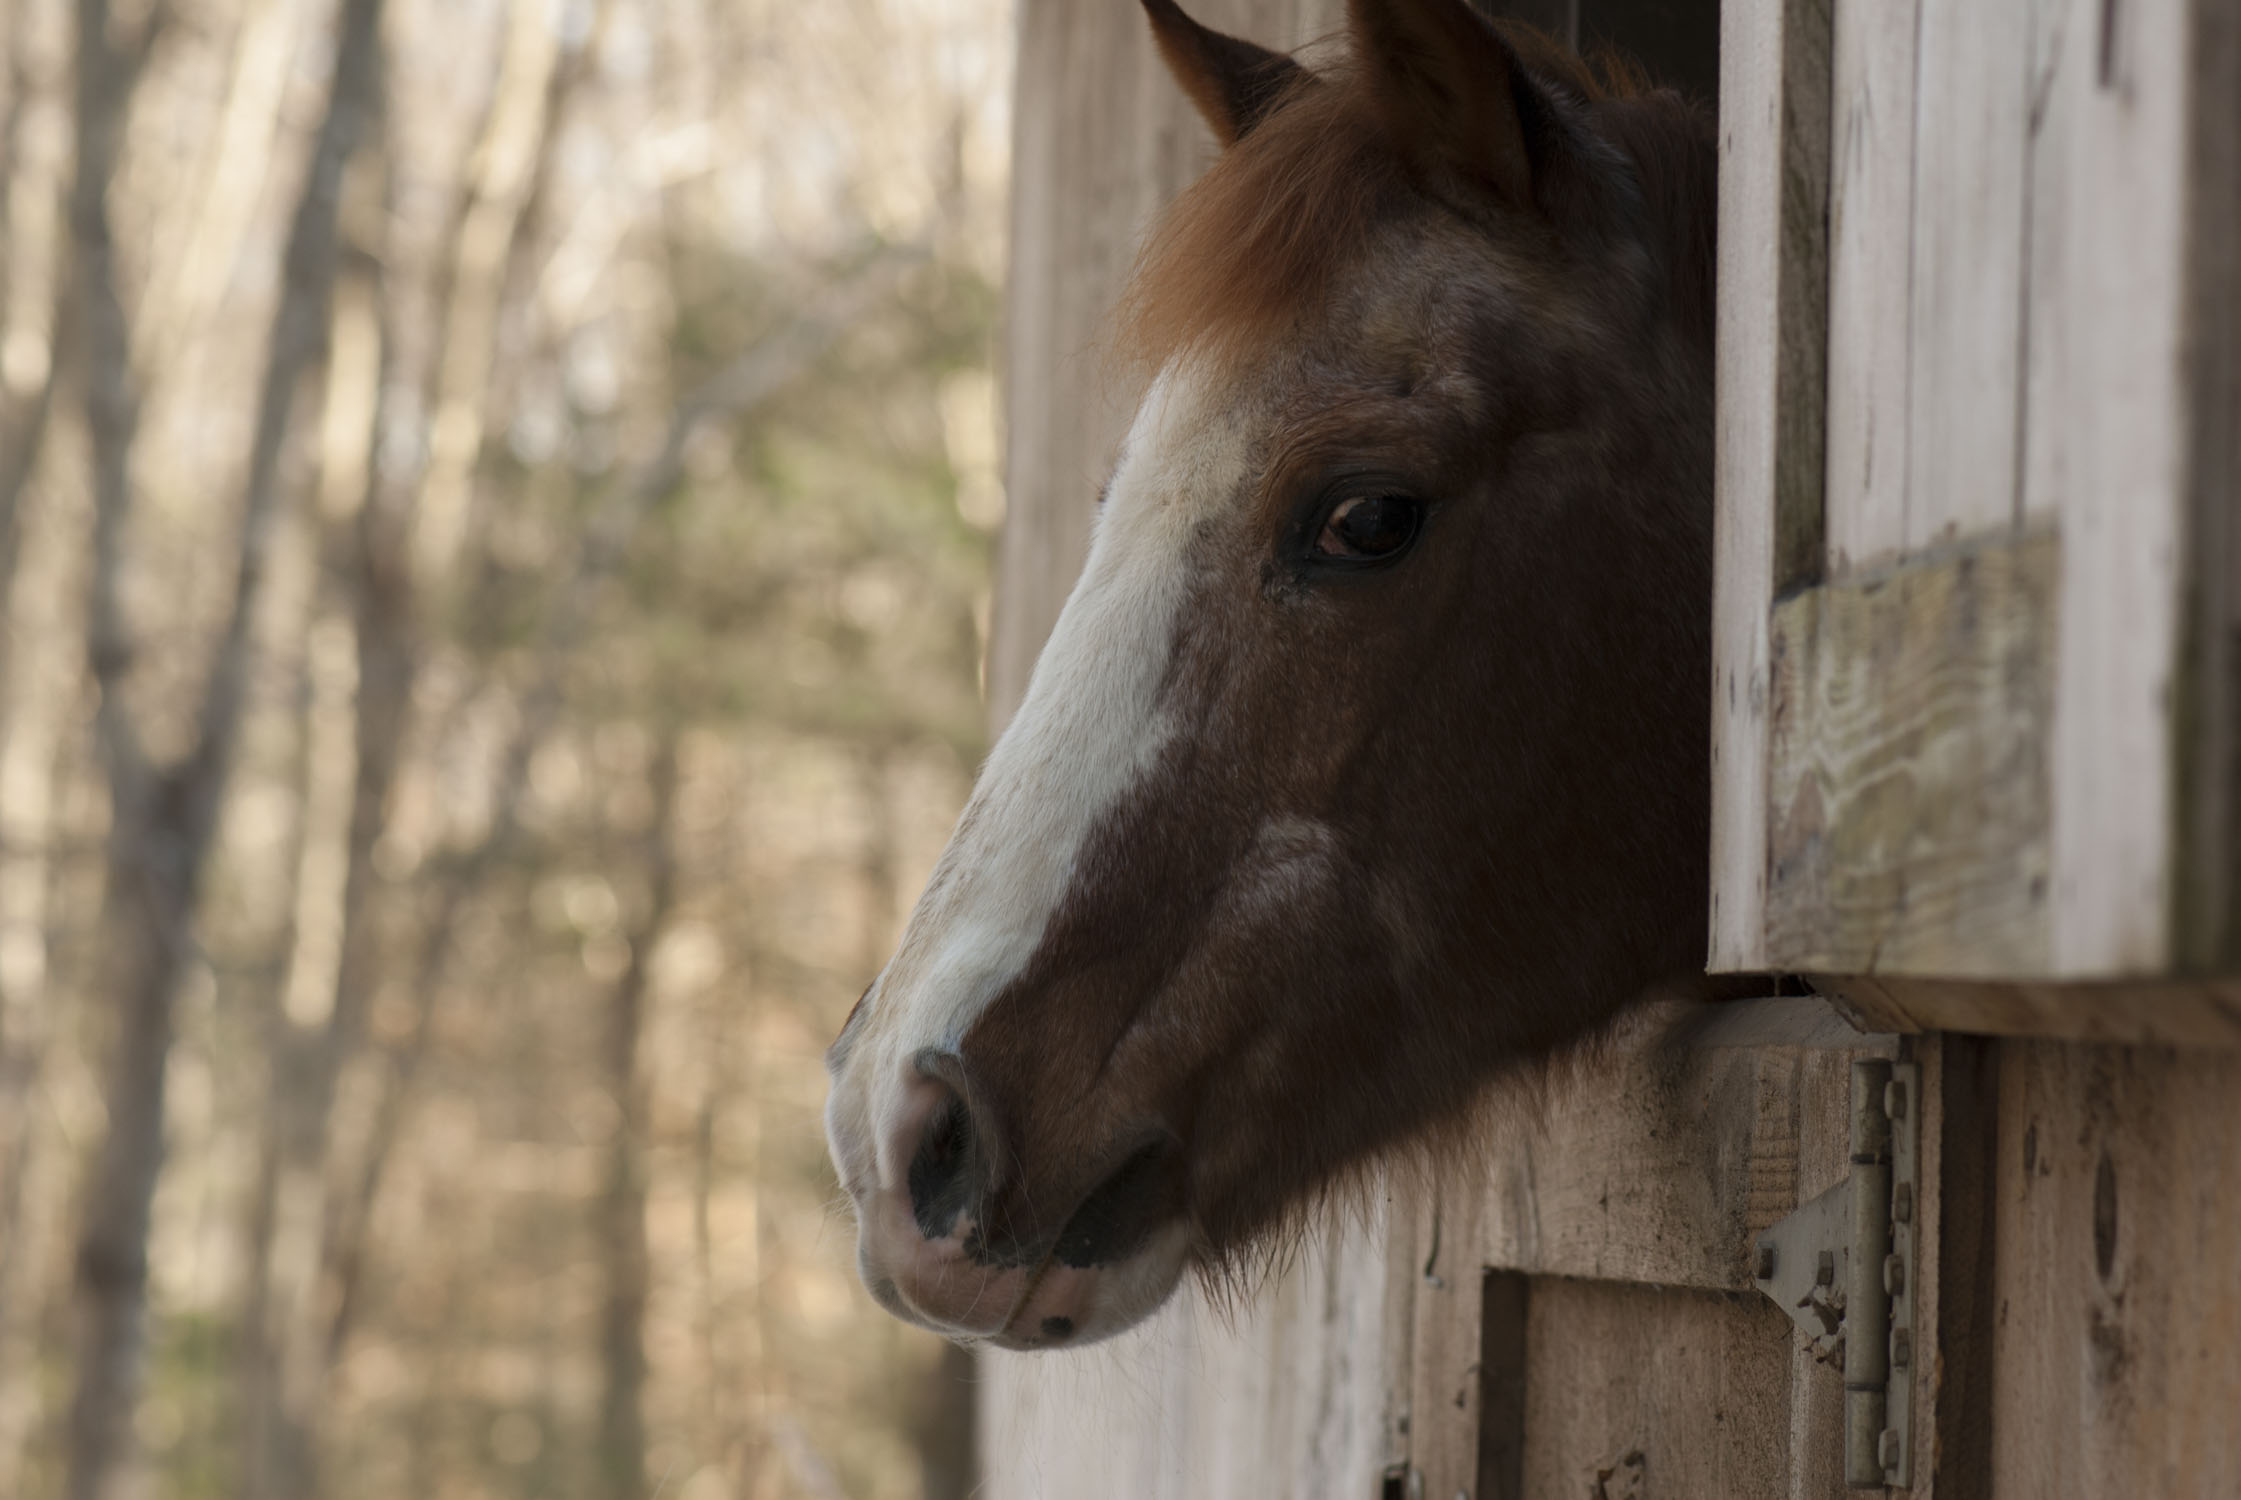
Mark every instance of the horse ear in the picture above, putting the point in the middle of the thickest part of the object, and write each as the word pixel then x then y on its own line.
pixel 1451 90
pixel 1234 83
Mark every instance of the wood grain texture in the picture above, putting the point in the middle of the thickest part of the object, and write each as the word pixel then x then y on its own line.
pixel 2185 1013
pixel 1768 446
pixel 2117 1349
pixel 1639 1391
pixel 1871 244
pixel 1908 770
pixel 1965 274
pixel 1652 1162
pixel 1447 1387
pixel 1645 1166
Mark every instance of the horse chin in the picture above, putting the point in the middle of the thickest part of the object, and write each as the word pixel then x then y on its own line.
pixel 941 1286
pixel 1069 1306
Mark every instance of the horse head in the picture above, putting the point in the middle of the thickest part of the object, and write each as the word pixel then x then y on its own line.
pixel 1369 755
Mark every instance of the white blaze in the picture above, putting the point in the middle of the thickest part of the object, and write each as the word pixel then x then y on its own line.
pixel 1088 730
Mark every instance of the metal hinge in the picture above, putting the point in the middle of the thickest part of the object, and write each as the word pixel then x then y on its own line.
pixel 1843 1268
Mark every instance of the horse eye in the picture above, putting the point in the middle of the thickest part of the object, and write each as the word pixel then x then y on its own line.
pixel 1370 526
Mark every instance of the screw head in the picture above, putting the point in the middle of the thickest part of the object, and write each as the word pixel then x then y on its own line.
pixel 1887 1448
pixel 1902 1348
pixel 1902 1203
pixel 1894 1275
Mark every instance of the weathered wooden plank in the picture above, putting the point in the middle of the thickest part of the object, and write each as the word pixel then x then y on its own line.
pixel 1908 770
pixel 1786 1021
pixel 1823 1085
pixel 2200 1013
pixel 1965 275
pixel 1651 1162
pixel 1447 1387
pixel 1771 373
pixel 1642 1391
pixel 1871 214
pixel 1644 1164
pixel 2117 1349
pixel 2104 452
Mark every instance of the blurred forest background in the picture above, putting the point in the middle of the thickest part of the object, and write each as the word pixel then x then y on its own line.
pixel 495 503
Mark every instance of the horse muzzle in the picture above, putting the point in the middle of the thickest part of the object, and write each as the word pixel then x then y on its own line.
pixel 946 1238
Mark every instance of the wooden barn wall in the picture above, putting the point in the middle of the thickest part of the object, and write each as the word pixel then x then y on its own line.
pixel 1977 613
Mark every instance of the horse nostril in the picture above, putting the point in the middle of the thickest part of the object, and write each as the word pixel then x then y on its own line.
pixel 942 1168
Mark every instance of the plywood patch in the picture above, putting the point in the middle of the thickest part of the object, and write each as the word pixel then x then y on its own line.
pixel 1637 1392
pixel 1909 782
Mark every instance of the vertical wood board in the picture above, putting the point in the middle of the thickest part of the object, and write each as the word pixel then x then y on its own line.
pixel 1965 274
pixel 2103 453
pixel 1770 369
pixel 1871 208
pixel 2117 1347
pixel 1637 1391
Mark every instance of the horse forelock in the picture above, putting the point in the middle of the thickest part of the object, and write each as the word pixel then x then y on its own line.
pixel 1259 240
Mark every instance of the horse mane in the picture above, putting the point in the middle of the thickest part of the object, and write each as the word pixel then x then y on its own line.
pixel 1258 238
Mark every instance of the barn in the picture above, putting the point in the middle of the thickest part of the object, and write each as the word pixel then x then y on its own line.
pixel 1954 1207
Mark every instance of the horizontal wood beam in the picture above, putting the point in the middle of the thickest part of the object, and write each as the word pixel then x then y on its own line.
pixel 1651 1158
pixel 2203 1013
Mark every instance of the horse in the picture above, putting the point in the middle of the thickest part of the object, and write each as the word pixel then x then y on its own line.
pixel 1369 757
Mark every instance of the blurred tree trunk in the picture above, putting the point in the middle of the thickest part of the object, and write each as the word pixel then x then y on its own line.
pixel 163 818
pixel 622 1210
